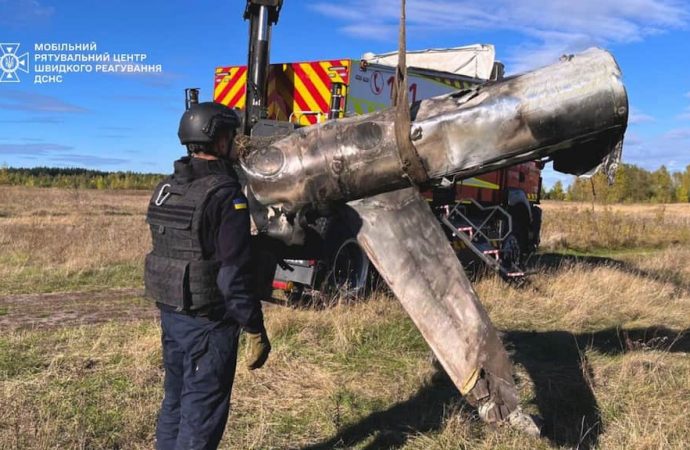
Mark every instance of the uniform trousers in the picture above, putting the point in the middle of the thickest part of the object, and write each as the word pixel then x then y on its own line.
pixel 199 357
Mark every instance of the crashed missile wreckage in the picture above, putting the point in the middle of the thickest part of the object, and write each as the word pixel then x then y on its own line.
pixel 574 113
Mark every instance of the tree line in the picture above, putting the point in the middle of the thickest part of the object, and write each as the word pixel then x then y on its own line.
pixel 632 184
pixel 77 178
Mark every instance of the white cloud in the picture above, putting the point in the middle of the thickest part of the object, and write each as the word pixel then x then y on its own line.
pixel 547 29
pixel 671 149
pixel 677 134
pixel 20 13
pixel 637 117
pixel 32 149
pixel 338 11
pixel 29 101
pixel 550 28
pixel 685 115
pixel 378 33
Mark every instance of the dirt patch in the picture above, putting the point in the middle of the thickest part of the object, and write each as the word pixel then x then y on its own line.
pixel 40 311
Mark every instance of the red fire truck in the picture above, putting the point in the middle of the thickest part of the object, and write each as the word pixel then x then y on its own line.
pixel 492 220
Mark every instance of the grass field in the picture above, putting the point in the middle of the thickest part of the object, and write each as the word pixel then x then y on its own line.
pixel 599 339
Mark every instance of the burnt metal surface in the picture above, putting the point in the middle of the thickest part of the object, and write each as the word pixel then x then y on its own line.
pixel 575 110
pixel 407 246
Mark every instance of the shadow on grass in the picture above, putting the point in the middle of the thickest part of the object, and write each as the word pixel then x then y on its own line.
pixel 422 413
pixel 555 261
pixel 558 367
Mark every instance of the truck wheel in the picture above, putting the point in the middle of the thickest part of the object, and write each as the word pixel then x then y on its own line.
pixel 350 271
pixel 535 229
pixel 515 247
pixel 511 255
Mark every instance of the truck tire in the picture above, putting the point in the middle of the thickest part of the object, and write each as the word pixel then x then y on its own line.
pixel 535 229
pixel 350 271
pixel 516 247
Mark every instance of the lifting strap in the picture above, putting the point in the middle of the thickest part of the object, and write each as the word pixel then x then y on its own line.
pixel 409 158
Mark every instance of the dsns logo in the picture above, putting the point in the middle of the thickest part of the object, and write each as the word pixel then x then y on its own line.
pixel 11 62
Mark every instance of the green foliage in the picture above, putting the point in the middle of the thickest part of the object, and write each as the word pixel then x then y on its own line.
pixel 77 178
pixel 682 183
pixel 633 185
pixel 556 192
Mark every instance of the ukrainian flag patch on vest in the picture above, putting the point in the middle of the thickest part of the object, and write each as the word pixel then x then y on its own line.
pixel 240 203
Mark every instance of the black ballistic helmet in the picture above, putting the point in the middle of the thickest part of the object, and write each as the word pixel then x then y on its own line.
pixel 202 121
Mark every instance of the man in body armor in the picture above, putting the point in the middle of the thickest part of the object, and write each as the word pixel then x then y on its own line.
pixel 199 274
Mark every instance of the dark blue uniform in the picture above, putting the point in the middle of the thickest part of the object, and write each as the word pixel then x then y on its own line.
pixel 200 348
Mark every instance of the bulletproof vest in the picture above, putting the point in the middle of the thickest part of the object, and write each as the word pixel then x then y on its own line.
pixel 176 273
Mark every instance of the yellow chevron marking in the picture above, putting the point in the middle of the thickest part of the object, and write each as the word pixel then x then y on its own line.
pixel 235 89
pixel 304 92
pixel 219 88
pixel 476 182
pixel 316 81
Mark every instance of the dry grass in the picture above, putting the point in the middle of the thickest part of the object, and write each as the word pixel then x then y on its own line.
pixel 60 239
pixel 589 227
pixel 599 341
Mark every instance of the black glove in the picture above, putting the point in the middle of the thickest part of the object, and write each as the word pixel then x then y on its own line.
pixel 259 348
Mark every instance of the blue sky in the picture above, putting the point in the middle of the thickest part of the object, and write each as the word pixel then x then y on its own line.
pixel 129 121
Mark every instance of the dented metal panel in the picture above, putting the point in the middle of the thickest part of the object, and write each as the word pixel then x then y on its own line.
pixel 405 242
pixel 575 110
